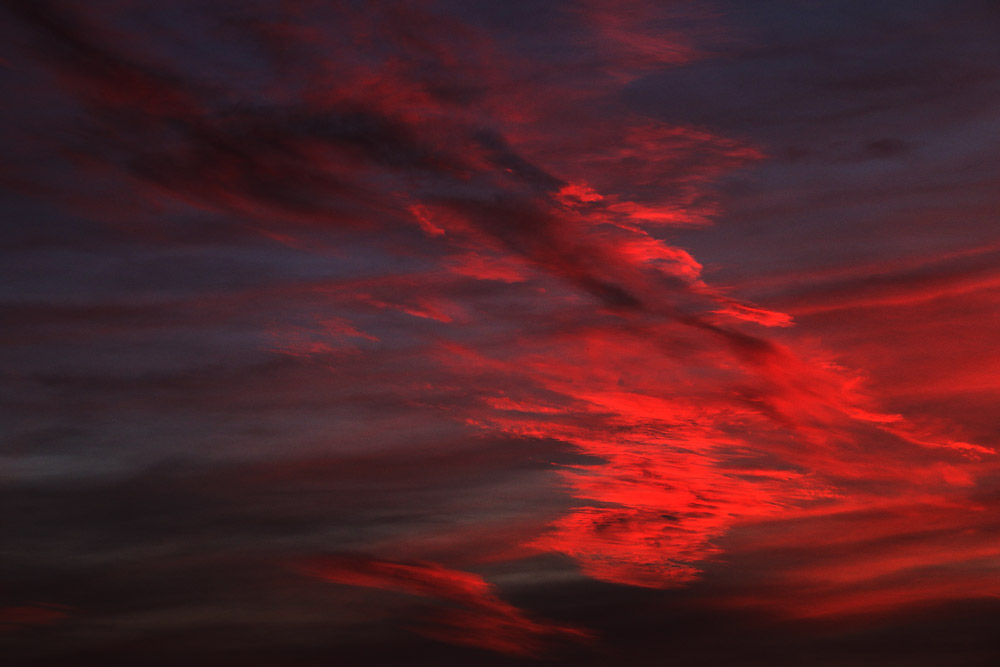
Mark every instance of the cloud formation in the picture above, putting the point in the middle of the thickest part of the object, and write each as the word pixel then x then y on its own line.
pixel 503 298
pixel 481 619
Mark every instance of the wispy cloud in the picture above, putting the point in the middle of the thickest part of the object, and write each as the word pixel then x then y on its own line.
pixel 415 281
pixel 482 619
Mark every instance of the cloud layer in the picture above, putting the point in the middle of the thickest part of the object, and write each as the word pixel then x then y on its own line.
pixel 491 307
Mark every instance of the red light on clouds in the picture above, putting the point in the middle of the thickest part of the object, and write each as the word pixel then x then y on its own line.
pixel 476 617
pixel 500 235
pixel 21 617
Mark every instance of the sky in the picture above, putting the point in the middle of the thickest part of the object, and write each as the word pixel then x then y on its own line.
pixel 456 332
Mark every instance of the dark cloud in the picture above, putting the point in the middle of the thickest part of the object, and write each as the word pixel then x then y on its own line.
pixel 425 300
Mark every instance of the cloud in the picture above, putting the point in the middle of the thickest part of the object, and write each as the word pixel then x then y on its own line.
pixel 417 281
pixel 914 553
pixel 15 618
pixel 482 619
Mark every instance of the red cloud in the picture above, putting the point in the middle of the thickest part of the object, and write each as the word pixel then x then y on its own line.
pixel 14 618
pixel 477 616
pixel 545 298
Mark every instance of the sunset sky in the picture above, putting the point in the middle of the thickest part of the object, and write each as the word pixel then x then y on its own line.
pixel 500 333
